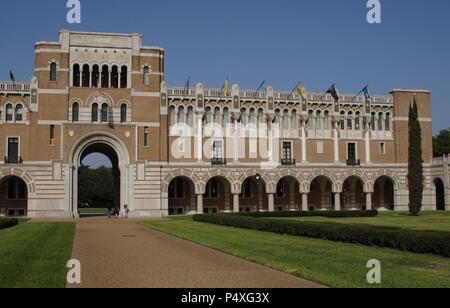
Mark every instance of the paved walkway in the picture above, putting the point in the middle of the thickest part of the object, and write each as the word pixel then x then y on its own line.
pixel 117 253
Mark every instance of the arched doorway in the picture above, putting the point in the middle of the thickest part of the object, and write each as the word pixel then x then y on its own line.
pixel 440 194
pixel 117 153
pixel 321 194
pixel 383 196
pixel 353 197
pixel 253 197
pixel 182 200
pixel 288 195
pixel 13 197
pixel 217 197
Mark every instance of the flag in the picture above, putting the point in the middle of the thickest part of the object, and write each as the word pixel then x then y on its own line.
pixel 11 76
pixel 334 92
pixel 227 88
pixel 187 87
pixel 264 88
pixel 366 94
pixel 301 92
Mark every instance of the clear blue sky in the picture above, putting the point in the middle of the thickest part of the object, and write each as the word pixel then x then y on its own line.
pixel 281 41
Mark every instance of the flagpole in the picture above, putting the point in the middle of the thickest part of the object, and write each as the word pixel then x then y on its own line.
pixel 262 84
pixel 296 87
pixel 360 92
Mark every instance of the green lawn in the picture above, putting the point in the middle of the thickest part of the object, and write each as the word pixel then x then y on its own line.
pixel 330 263
pixel 34 255
pixel 426 221
pixel 92 211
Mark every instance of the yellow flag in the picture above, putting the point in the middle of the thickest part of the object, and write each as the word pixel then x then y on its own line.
pixel 301 92
pixel 227 87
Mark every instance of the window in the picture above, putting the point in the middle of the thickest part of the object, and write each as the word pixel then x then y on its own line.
pixel 105 76
pixel 387 126
pixel 310 119
pixel 212 189
pixel 146 143
pixel 358 121
pixel 53 71
pixel 373 121
pixel 326 120
pixel 350 121
pixel 76 75
pixel 287 153
pixel 123 113
pixel 19 113
pixel 9 113
pixel 13 151
pixel 86 77
pixel 380 121
pixel 319 120
pixel 217 150
pixel 95 75
pixel 94 114
pixel 382 148
pixel 115 77
pixel 146 76
pixel 342 121
pixel 75 112
pixel 104 113
pixel 52 134
pixel 124 77
pixel 351 149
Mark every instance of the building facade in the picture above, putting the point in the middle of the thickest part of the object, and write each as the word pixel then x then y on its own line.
pixel 193 150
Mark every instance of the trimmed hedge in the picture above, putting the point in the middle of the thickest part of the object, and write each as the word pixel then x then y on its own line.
pixel 8 222
pixel 328 214
pixel 432 242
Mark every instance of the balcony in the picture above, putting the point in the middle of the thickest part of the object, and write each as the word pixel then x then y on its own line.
pixel 288 162
pixel 13 160
pixel 353 162
pixel 218 162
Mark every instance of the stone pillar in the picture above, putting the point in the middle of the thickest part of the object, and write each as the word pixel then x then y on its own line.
pixel 199 138
pixel 337 201
pixel 200 204
pixel 336 140
pixel 236 207
pixel 369 201
pixel 304 150
pixel 271 202
pixel 304 202
pixel 236 140
pixel 367 137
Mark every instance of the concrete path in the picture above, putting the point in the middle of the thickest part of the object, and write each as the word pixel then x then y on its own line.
pixel 117 253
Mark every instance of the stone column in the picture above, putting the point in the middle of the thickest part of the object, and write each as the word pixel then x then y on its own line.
pixel 236 207
pixel 367 140
pixel 236 140
pixel 199 138
pixel 369 201
pixel 200 204
pixel 271 202
pixel 337 201
pixel 304 202
pixel 304 150
pixel 336 139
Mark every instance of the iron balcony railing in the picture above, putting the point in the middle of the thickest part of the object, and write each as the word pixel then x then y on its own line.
pixel 218 162
pixel 288 162
pixel 353 162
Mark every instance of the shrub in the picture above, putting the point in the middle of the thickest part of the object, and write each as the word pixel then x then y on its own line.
pixel 433 242
pixel 329 214
pixel 8 222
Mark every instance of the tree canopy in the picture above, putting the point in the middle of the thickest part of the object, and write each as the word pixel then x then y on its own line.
pixel 96 187
pixel 441 143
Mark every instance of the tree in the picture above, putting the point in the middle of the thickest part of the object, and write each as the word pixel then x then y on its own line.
pixel 415 162
pixel 441 143
pixel 96 187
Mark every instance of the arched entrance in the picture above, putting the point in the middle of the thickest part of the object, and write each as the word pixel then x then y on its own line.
pixel 353 197
pixel 217 197
pixel 182 200
pixel 13 197
pixel 253 197
pixel 321 194
pixel 383 196
pixel 440 194
pixel 288 195
pixel 117 153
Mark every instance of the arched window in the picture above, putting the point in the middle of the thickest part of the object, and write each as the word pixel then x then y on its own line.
pixel 326 120
pixel 342 120
pixel 387 126
pixel 124 77
pixel 373 121
pixel 172 115
pixel 9 113
pixel 85 80
pixel 105 76
pixel 95 75
pixel 319 119
pixel 123 113
pixel 380 121
pixel 350 121
pixel 181 115
pixel 76 75
pixel 104 113
pixel 19 113
pixel 286 119
pixel 294 119
pixel 244 117
pixel 146 76
pixel 75 112
pixel 115 77
pixel 311 119
pixel 94 113
pixel 261 118
pixel 53 68
pixel 217 116
pixel 190 116
pixel 358 121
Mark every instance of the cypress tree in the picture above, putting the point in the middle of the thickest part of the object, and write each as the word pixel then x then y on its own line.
pixel 415 163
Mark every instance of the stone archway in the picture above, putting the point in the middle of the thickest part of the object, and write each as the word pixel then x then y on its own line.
pixel 13 196
pixel 117 152
pixel 440 194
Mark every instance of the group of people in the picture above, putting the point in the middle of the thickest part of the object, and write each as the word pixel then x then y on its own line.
pixel 113 213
